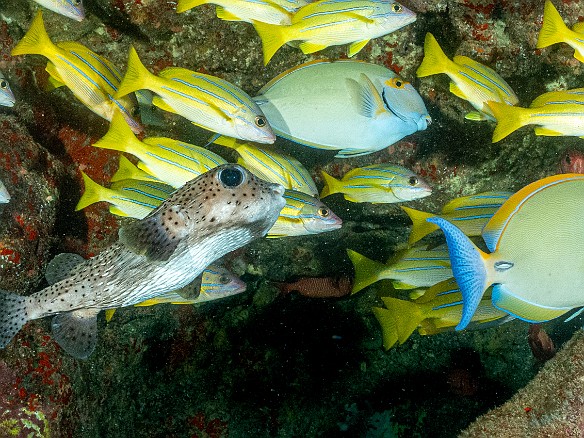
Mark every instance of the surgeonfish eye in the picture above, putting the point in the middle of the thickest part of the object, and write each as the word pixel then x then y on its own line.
pixel 396 8
pixel 231 176
pixel 413 181
pixel 3 84
pixel 224 279
pixel 396 83
pixel 260 121
pixel 323 212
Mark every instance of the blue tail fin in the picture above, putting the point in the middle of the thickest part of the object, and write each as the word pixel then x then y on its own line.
pixel 468 268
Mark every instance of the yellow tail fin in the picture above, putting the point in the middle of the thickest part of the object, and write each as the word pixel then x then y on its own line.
pixel 119 137
pixel 435 60
pixel 36 41
pixel 407 316
pixel 388 325
pixel 137 77
pixel 420 227
pixel 273 37
pixel 185 5
pixel 331 185
pixel 367 271
pixel 509 119
pixel 553 29
pixel 92 193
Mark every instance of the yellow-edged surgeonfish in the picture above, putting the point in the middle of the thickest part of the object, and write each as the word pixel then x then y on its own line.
pixel 536 259
pixel 554 31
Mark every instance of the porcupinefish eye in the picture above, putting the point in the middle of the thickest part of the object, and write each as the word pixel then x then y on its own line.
pixel 396 7
pixel 260 121
pixel 567 160
pixel 323 212
pixel 413 181
pixel 3 84
pixel 231 177
pixel 224 279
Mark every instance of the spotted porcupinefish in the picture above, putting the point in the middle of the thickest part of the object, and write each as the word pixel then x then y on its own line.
pixel 211 215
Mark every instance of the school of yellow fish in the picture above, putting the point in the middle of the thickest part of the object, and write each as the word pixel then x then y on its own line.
pixel 454 285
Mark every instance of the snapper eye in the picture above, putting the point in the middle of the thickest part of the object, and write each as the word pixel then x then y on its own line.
pixel 396 8
pixel 231 176
pixel 260 121
pixel 413 181
pixel 224 279
pixel 323 212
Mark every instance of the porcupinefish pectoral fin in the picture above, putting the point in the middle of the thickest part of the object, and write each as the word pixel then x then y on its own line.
pixel 61 266
pixel 76 332
pixel 156 236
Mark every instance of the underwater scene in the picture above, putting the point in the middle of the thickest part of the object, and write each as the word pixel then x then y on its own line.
pixel 291 218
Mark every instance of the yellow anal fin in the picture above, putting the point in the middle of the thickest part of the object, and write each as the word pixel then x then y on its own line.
pixel 579 56
pixel 160 103
pixel 540 130
pixel 454 89
pixel 475 116
pixel 355 48
pixel 224 14
pixel 311 47
pixel 109 314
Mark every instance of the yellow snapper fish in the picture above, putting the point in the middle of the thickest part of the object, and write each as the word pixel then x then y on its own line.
pixel 68 8
pixel 163 252
pixel 129 197
pixel 303 215
pixel 272 166
pixel 277 12
pixel 350 106
pixel 325 23
pixel 555 31
pixel 171 161
pixel 207 101
pixel 378 183
pixel 471 81
pixel 92 79
pixel 536 259
pixel 409 269
pixel 439 309
pixel 127 170
pixel 469 213
pixel 6 95
pixel 555 113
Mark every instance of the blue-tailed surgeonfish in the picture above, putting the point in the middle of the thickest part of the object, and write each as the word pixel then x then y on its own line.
pixel 469 213
pixel 471 81
pixel 350 106
pixel 68 8
pixel 377 183
pixel 536 259
pixel 325 23
pixel 554 31
pixel 207 101
pixel 91 78
pixel 408 269
pixel 171 161
pixel 555 113
pixel 6 95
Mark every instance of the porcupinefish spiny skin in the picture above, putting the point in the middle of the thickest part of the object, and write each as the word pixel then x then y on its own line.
pixel 215 213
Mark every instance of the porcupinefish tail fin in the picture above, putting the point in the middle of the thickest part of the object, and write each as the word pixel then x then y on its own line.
pixel 76 332
pixel 13 316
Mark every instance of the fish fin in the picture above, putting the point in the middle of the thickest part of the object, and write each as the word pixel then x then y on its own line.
pixel 109 314
pixel 273 37
pixel 509 119
pixel 76 332
pixel 331 185
pixel 61 266
pixel 420 226
pixel 455 89
pixel 578 27
pixel 388 325
pixel 13 316
pixel 578 56
pixel 228 142
pixel 126 170
pixel 225 15
pixel 158 235
pixel 503 299
pixel 407 316
pixel 119 136
pixel 468 266
pixel 308 48
pixel 574 315
pixel 366 270
pixel 36 41
pixel 137 76
pixel 359 17
pixel 553 29
pixel 92 193
pixel 401 285
pixel 435 60
pixel 366 97
pixel 119 212
pixel 356 47
pixel 348 153
pixel 475 116
pixel 185 5
pixel 52 83
pixel 540 130
pixel 160 103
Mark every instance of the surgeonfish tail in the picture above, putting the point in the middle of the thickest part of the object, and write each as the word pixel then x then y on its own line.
pixel 185 5
pixel 435 60
pixel 407 316
pixel 13 316
pixel 366 270
pixel 468 266
pixel 330 185
pixel 36 41
pixel 509 119
pixel 119 136
pixel 273 37
pixel 553 29
pixel 92 193
pixel 421 227
pixel 136 77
